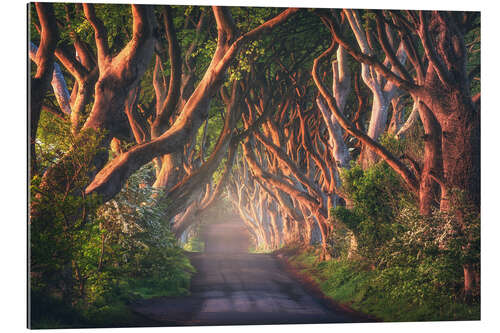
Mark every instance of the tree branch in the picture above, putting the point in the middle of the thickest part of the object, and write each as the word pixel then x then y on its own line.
pixel 369 60
pixel 110 179
pixel 44 58
pixel 100 33
pixel 430 51
pixel 388 50
pixel 167 108
pixel 399 167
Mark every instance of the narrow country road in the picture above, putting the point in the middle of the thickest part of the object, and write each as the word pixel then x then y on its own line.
pixel 235 287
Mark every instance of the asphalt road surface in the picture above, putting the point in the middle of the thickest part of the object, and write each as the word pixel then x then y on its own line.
pixel 234 287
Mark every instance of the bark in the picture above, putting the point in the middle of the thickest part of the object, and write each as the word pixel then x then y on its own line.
pixel 302 203
pixel 121 73
pixel 383 91
pixel 395 163
pixel 445 91
pixel 460 144
pixel 398 114
pixel 341 90
pixel 86 74
pixel 44 59
pixel 111 178
pixel 433 164
pixel 181 192
pixel 136 121
pixel 410 122
pixel 118 75
pixel 165 107
pixel 58 83
pixel 277 182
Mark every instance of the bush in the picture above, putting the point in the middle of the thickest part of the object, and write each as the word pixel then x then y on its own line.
pixel 138 255
pixel 417 261
pixel 94 258
pixel 376 196
pixel 390 293
pixel 59 228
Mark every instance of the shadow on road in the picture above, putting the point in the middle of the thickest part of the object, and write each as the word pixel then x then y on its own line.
pixel 234 287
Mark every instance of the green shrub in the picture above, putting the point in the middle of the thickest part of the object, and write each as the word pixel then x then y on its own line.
pixel 94 258
pixel 390 293
pixel 415 263
pixel 140 255
pixel 376 195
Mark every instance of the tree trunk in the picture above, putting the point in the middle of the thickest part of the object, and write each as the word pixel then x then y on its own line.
pixel 49 35
pixel 111 179
pixel 378 120
pixel 433 162
pixel 118 76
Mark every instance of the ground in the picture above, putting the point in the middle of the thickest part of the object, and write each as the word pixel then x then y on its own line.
pixel 234 287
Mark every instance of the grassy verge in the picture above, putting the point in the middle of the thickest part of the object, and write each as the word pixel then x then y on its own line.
pixel 49 311
pixel 116 314
pixel 257 249
pixel 366 289
pixel 194 244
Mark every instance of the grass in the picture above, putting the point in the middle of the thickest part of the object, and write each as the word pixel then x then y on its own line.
pixel 49 311
pixel 59 315
pixel 366 289
pixel 194 244
pixel 259 249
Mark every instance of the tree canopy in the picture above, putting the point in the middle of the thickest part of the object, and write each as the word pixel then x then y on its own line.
pixel 316 125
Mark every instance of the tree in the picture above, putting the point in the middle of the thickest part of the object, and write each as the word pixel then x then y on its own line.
pixel 274 107
pixel 449 113
pixel 110 179
pixel 44 58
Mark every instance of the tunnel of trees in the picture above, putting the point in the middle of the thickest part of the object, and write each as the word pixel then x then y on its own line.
pixel 355 131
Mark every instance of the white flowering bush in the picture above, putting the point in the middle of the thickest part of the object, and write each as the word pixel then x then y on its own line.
pixel 138 255
pixel 426 256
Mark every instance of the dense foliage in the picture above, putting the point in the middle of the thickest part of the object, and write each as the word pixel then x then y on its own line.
pixel 411 292
pixel 413 261
pixel 376 195
pixel 357 130
pixel 112 253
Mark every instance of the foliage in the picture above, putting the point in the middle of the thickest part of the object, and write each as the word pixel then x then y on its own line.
pixel 376 195
pixel 58 229
pixel 261 248
pixel 428 255
pixel 194 242
pixel 94 257
pixel 116 18
pixel 88 258
pixel 391 232
pixel 411 266
pixel 135 245
pixel 411 144
pixel 391 294
pixel 53 140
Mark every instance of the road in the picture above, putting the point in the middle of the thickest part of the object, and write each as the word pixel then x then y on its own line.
pixel 234 287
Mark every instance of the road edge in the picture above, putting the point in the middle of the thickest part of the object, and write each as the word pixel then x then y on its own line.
pixel 314 289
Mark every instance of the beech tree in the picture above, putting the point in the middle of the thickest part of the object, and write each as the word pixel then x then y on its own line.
pixel 427 179
pixel 110 179
pixel 273 107
pixel 44 58
pixel 448 111
pixel 118 74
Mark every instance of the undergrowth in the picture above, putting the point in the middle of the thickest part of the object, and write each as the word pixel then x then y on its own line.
pixel 387 294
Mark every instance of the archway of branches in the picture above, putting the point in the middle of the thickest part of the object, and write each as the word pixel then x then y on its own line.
pixel 268 107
